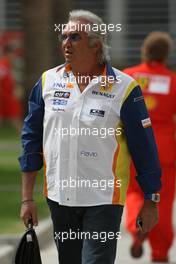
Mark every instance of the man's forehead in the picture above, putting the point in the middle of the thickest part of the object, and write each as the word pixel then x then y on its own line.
pixel 74 26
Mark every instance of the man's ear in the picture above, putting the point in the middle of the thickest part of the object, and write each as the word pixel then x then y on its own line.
pixel 97 47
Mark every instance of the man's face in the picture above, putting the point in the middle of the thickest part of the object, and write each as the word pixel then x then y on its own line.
pixel 75 45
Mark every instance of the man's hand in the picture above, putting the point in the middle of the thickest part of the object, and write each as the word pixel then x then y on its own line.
pixel 29 210
pixel 148 215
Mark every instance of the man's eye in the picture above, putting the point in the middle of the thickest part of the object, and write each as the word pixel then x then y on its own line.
pixel 75 37
pixel 71 37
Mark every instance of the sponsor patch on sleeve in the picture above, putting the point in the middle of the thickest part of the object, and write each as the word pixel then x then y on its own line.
pixel 139 98
pixel 146 122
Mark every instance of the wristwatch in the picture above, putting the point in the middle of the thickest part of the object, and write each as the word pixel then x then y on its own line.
pixel 155 197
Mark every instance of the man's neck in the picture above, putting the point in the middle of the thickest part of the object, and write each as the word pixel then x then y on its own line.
pixel 86 73
pixel 89 70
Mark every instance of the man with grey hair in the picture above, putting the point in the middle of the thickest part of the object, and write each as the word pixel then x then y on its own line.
pixel 86 217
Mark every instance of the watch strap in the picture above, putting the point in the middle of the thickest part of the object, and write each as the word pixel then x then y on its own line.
pixel 155 197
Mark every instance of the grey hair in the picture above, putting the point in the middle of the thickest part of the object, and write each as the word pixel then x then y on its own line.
pixel 92 19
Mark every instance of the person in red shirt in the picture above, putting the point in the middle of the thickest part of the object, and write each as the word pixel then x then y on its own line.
pixel 159 89
pixel 10 107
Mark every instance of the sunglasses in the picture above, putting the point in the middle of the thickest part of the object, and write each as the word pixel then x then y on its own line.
pixel 73 37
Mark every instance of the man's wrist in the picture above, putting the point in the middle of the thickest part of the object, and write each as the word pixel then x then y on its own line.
pixel 27 201
pixel 154 197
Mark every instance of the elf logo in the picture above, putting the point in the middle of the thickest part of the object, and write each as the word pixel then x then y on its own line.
pixel 60 94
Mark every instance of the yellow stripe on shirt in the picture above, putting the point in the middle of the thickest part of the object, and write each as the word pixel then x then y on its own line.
pixel 130 88
pixel 43 80
pixel 122 168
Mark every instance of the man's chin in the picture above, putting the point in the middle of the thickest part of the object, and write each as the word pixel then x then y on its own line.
pixel 67 59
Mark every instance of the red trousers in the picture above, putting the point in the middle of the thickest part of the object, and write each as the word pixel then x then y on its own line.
pixel 161 236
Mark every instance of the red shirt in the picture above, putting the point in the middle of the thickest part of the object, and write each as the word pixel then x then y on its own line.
pixel 158 84
pixel 9 104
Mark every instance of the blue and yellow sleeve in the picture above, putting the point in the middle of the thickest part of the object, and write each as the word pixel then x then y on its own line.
pixel 32 132
pixel 140 140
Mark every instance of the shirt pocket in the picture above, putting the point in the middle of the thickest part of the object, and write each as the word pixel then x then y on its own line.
pixel 95 112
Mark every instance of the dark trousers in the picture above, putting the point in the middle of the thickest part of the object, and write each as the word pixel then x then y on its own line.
pixel 86 235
